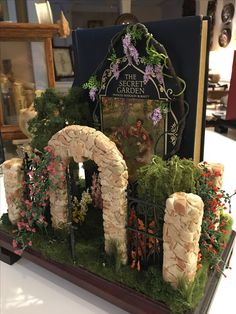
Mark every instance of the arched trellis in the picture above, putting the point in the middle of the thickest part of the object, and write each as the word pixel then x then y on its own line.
pixel 82 143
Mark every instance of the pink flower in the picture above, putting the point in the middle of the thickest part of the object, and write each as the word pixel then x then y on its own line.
pixel 28 203
pixel 27 227
pixel 14 244
pixel 41 219
pixel 20 225
pixel 18 252
pixel 22 213
pixel 48 149
pixel 51 168
pixel 36 160
pixel 30 173
pixel 30 243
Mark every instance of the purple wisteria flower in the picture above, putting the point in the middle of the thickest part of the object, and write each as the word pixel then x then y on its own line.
pixel 148 73
pixel 129 49
pixel 92 93
pixel 155 116
pixel 134 53
pixel 115 70
pixel 158 73
pixel 126 42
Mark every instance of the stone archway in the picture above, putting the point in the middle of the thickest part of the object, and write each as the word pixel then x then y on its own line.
pixel 82 143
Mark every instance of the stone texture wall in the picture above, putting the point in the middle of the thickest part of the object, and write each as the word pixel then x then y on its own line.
pixel 82 143
pixel 181 233
pixel 13 177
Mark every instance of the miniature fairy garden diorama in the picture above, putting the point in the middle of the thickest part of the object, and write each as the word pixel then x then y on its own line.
pixel 140 216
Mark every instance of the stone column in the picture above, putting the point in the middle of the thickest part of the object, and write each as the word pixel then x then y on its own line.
pixel 13 178
pixel 181 233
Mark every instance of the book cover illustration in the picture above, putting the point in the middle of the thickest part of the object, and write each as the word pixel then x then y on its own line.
pixel 139 98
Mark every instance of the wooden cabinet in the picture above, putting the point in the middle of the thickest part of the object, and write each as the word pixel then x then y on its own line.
pixel 26 65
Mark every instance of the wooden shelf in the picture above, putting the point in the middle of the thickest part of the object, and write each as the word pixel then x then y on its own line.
pixel 27 32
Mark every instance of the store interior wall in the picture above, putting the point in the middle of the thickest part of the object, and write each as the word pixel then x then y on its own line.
pixel 80 13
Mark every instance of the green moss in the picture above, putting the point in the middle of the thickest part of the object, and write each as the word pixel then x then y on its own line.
pixel 90 255
pixel 89 251
pixel 54 247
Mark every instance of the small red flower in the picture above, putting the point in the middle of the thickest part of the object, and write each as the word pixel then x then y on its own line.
pixel 225 231
pixel 223 245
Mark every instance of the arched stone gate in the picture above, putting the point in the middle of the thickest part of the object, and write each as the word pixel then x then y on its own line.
pixel 82 143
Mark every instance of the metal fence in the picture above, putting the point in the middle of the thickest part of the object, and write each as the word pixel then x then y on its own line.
pixel 144 232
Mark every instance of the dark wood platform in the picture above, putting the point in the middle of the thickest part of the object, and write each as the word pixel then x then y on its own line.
pixel 121 296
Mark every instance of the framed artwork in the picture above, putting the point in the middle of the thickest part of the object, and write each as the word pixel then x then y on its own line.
pixel 63 62
pixel 95 23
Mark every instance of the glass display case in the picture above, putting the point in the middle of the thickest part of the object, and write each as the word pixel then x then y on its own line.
pixel 26 65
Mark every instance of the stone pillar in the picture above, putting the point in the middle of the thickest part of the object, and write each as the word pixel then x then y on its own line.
pixel 181 233
pixel 13 178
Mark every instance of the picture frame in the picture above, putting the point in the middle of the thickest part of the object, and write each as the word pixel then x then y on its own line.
pixel 63 62
pixel 95 23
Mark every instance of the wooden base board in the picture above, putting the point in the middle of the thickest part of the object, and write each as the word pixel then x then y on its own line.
pixel 121 296
pixel 8 257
